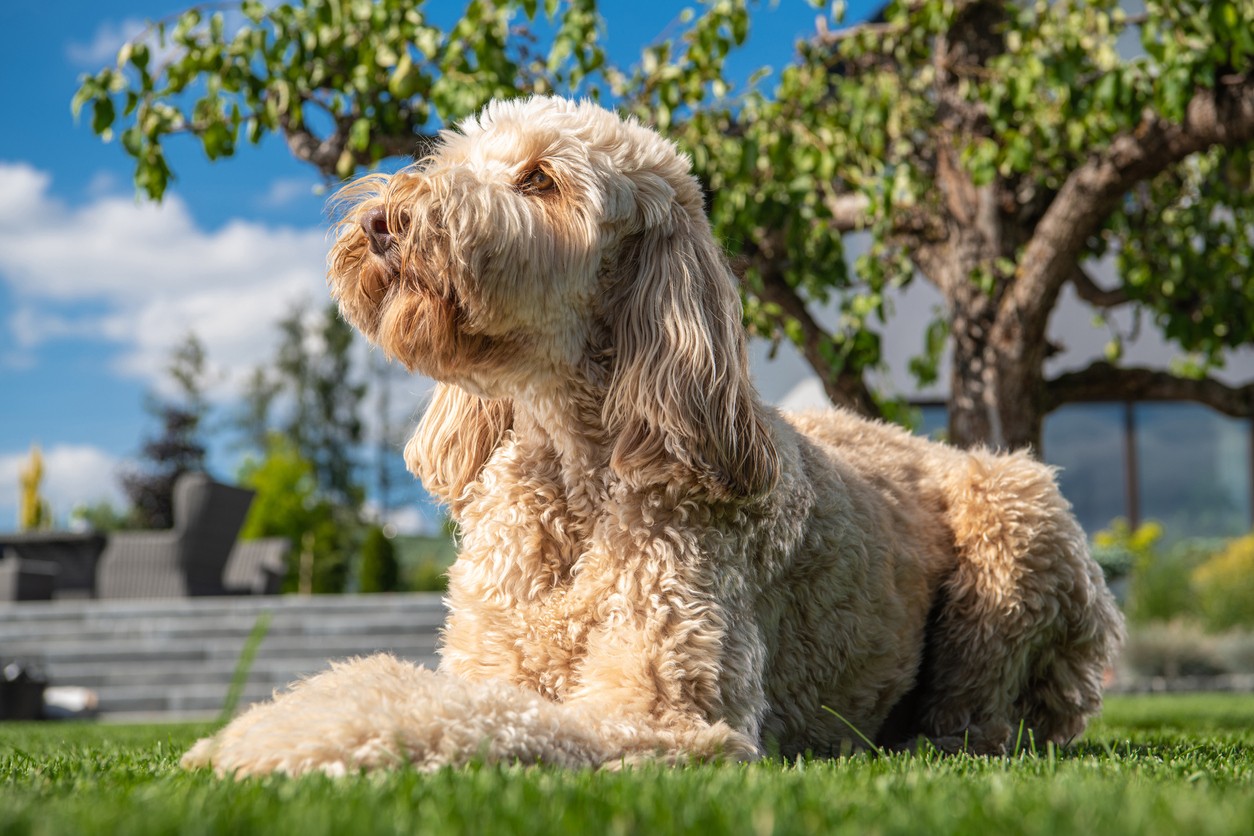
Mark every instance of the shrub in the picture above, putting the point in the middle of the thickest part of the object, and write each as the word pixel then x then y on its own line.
pixel 1119 548
pixel 1162 589
pixel 425 560
pixel 429 576
pixel 288 504
pixel 1225 586
pixel 1236 650
pixel 1177 648
pixel 378 571
pixel 1159 581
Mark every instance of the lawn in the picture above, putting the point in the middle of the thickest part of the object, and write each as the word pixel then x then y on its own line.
pixel 1162 764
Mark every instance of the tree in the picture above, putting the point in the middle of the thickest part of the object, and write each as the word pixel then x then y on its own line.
pixel 309 395
pixel 992 148
pixel 301 416
pixel 179 448
pixel 379 571
pixel 287 503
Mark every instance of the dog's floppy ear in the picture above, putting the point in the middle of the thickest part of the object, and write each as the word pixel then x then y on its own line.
pixel 453 441
pixel 680 400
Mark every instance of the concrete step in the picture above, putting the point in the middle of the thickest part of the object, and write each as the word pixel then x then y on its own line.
pixel 86 610
pixel 172 658
pixel 91 671
pixel 195 697
pixel 153 650
pixel 176 629
pixel 274 671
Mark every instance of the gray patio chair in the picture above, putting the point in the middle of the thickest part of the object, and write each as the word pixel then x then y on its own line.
pixel 188 559
pixel 257 567
pixel 24 579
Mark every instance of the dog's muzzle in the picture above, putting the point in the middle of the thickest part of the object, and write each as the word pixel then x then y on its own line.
pixel 375 224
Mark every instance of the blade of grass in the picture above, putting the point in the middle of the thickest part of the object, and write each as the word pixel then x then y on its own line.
pixel 244 666
pixel 870 744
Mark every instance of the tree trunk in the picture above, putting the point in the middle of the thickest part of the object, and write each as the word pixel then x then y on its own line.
pixel 973 417
pixel 996 391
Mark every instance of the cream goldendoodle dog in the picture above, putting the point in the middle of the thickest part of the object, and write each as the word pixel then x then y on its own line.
pixel 653 563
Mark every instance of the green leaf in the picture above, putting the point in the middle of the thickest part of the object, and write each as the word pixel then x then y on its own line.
pixel 404 80
pixel 102 115
pixel 359 135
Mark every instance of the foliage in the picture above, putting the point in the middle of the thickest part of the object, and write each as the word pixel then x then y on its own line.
pixel 373 74
pixel 1152 765
pixel 426 558
pixel 288 504
pixel 180 447
pixel 992 148
pixel 310 394
pixel 1225 586
pixel 1119 549
pixel 1183 647
pixel 378 570
pixel 1161 587
pixel 302 411
pixel 429 576
pixel 33 513
pixel 102 516
pixel 1171 649
pixel 1202 580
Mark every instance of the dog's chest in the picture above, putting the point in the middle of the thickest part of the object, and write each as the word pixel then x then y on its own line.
pixel 532 601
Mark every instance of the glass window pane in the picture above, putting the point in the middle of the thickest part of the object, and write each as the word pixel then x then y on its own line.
pixel 1194 470
pixel 933 421
pixel 1086 442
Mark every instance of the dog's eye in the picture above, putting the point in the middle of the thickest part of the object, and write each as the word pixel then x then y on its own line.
pixel 539 181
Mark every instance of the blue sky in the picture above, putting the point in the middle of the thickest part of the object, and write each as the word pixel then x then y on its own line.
pixel 97 287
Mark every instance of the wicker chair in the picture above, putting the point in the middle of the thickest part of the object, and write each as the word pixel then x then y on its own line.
pixel 257 567
pixel 23 579
pixel 188 559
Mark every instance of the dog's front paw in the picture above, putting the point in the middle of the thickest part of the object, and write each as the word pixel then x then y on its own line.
pixel 382 713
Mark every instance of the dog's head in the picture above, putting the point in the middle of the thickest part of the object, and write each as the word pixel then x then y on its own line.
pixel 548 241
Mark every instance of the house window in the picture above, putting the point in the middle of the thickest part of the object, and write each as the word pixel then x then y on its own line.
pixel 1182 464
pixel 1194 466
pixel 1086 442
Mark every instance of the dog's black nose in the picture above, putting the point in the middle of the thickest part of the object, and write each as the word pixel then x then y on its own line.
pixel 375 224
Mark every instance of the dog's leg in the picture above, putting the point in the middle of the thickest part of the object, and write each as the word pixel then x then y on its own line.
pixel 662 666
pixel 379 713
pixel 1028 626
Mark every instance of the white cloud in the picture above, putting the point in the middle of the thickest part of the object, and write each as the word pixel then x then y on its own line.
pixel 288 190
pixel 105 43
pixel 150 275
pixel 74 474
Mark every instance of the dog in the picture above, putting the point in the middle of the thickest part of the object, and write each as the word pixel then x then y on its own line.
pixel 653 564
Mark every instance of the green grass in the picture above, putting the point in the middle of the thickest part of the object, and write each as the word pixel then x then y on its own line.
pixel 1151 765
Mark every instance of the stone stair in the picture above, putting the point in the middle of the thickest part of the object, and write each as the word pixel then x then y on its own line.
pixel 175 658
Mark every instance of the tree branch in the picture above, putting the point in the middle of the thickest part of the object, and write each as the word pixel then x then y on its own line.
pixel 1220 116
pixel 1090 292
pixel 843 387
pixel 324 152
pixel 849 211
pixel 830 37
pixel 1103 382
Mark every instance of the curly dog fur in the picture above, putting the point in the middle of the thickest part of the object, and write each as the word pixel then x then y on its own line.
pixel 653 563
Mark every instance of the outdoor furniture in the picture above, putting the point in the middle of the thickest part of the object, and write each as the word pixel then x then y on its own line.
pixel 74 554
pixel 257 567
pixel 188 559
pixel 27 580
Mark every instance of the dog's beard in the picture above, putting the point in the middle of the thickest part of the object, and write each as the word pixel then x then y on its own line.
pixel 408 306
